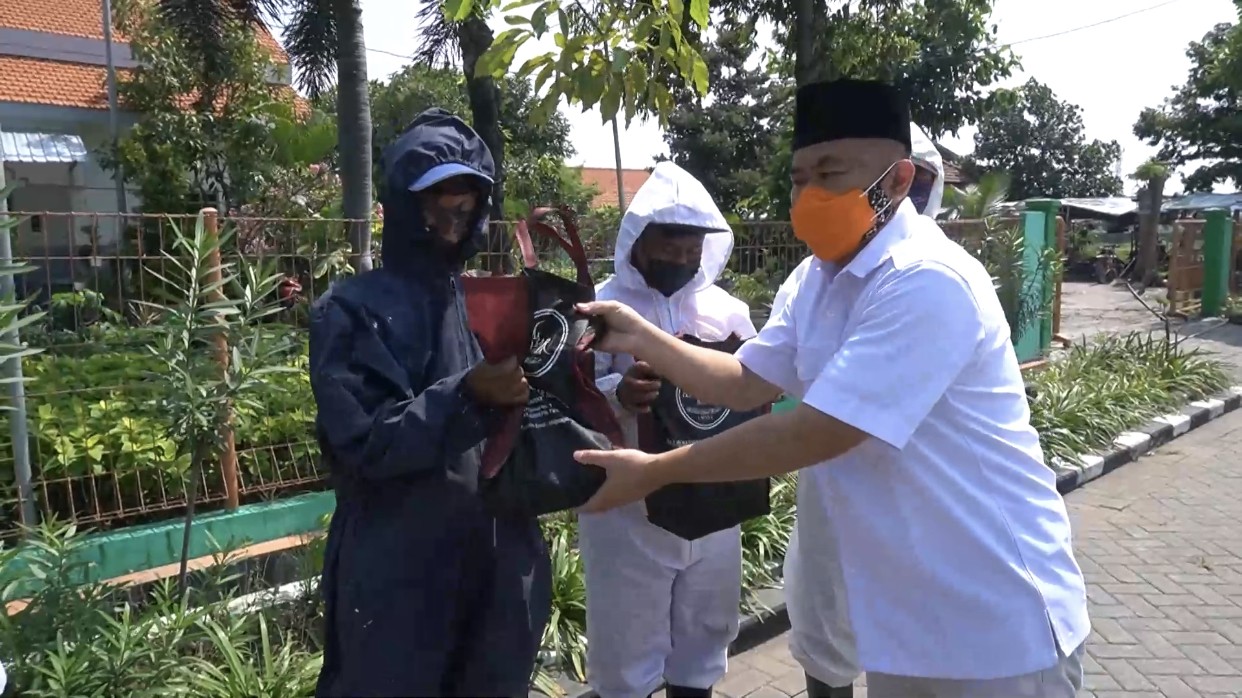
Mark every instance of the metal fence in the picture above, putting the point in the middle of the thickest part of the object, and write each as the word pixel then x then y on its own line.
pixel 96 402
pixel 99 440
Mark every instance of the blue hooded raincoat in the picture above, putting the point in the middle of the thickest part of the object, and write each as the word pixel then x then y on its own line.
pixel 426 593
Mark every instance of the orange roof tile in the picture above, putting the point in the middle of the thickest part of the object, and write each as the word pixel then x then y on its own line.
pixel 84 18
pixel 604 179
pixel 70 84
pixel 36 81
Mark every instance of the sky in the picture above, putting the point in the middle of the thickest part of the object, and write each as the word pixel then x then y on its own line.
pixel 1112 70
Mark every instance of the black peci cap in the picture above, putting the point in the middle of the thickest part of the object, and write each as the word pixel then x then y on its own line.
pixel 830 111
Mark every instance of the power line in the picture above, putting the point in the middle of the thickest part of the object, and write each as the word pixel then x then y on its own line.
pixel 1094 24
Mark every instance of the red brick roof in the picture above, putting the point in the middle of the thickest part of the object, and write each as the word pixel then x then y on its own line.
pixel 604 179
pixel 67 84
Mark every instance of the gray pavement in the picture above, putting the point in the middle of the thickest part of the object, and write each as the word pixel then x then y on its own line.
pixel 1160 541
pixel 1088 309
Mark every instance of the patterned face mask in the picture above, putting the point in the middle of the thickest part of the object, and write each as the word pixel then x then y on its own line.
pixel 835 225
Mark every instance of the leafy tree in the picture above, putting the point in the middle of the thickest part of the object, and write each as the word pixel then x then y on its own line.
pixel 943 53
pixel 623 57
pixel 1039 140
pixel 728 142
pixel 324 39
pixel 1202 121
pixel 462 37
pixel 204 132
pixel 944 70
pixel 537 148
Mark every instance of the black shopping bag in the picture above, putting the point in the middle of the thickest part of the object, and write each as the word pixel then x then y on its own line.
pixel 528 466
pixel 676 419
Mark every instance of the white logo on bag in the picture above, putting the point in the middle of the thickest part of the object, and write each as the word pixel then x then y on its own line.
pixel 548 332
pixel 698 415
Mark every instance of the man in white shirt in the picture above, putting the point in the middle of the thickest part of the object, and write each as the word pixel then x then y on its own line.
pixel 661 608
pixel 837 666
pixel 913 433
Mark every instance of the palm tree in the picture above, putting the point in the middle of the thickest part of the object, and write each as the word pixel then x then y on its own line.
pixel 449 43
pixel 324 39
pixel 978 201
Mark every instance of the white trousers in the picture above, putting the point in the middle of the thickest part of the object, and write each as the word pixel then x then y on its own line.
pixel 659 608
pixel 1062 680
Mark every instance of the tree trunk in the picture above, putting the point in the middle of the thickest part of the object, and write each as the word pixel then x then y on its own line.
pixel 1151 197
pixel 810 21
pixel 475 37
pixel 353 129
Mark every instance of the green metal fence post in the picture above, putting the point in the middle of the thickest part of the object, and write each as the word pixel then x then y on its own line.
pixel 1217 246
pixel 1051 208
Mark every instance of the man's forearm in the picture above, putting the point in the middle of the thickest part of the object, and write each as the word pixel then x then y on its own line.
pixel 711 376
pixel 771 445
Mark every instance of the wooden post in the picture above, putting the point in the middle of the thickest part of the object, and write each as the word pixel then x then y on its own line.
pixel 220 347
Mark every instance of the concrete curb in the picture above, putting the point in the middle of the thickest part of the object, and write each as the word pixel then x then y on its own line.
pixel 1128 447
pixel 1132 445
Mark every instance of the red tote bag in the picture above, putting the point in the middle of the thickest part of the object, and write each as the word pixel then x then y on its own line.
pixel 528 467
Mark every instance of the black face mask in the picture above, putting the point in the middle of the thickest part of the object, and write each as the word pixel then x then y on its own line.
pixel 668 277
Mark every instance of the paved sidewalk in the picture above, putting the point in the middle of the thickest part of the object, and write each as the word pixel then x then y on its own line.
pixel 1160 541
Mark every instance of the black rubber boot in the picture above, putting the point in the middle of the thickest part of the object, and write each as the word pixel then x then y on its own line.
pixel 818 689
pixel 687 692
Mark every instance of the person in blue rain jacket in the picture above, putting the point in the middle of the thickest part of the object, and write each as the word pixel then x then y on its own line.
pixel 426 593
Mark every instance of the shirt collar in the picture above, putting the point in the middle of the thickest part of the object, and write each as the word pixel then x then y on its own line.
pixel 880 247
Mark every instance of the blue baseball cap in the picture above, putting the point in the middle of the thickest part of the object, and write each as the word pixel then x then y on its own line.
pixel 439 173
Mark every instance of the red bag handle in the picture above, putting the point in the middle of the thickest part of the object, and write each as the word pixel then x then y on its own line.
pixel 572 246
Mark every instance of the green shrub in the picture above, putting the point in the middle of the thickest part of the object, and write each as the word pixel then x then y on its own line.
pixel 1087 398
pixel 93 640
pixel 94 412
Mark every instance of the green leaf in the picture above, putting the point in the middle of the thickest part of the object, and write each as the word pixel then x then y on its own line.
pixel 610 103
pixel 539 20
pixel 698 74
pixel 699 12
pixel 620 56
pixel 458 10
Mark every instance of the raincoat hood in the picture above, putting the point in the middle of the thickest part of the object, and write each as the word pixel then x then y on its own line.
pixel 673 196
pixel 925 154
pixel 435 137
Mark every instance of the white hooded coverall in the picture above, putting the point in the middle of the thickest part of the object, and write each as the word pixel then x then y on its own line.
pixel 831 646
pixel 661 608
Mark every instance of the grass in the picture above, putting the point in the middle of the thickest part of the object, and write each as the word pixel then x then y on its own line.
pixel 1088 397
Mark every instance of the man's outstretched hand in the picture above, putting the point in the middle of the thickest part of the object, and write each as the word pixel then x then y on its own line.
pixel 631 477
pixel 627 330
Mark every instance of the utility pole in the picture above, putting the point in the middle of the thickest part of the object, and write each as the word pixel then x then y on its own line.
pixel 12 371
pixel 114 118
pixel 616 152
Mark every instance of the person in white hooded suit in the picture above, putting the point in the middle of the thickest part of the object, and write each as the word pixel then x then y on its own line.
pixel 662 609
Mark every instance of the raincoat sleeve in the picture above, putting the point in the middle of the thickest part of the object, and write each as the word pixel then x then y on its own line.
pixel 376 424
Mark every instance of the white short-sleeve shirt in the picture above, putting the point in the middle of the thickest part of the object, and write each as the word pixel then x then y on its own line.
pixel 954 545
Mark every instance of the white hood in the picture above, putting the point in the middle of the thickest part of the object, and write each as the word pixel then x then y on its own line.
pixel 925 153
pixel 672 195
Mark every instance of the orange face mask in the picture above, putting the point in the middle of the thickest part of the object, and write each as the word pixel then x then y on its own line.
pixel 833 225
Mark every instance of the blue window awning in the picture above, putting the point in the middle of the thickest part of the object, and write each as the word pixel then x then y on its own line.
pixel 41 147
